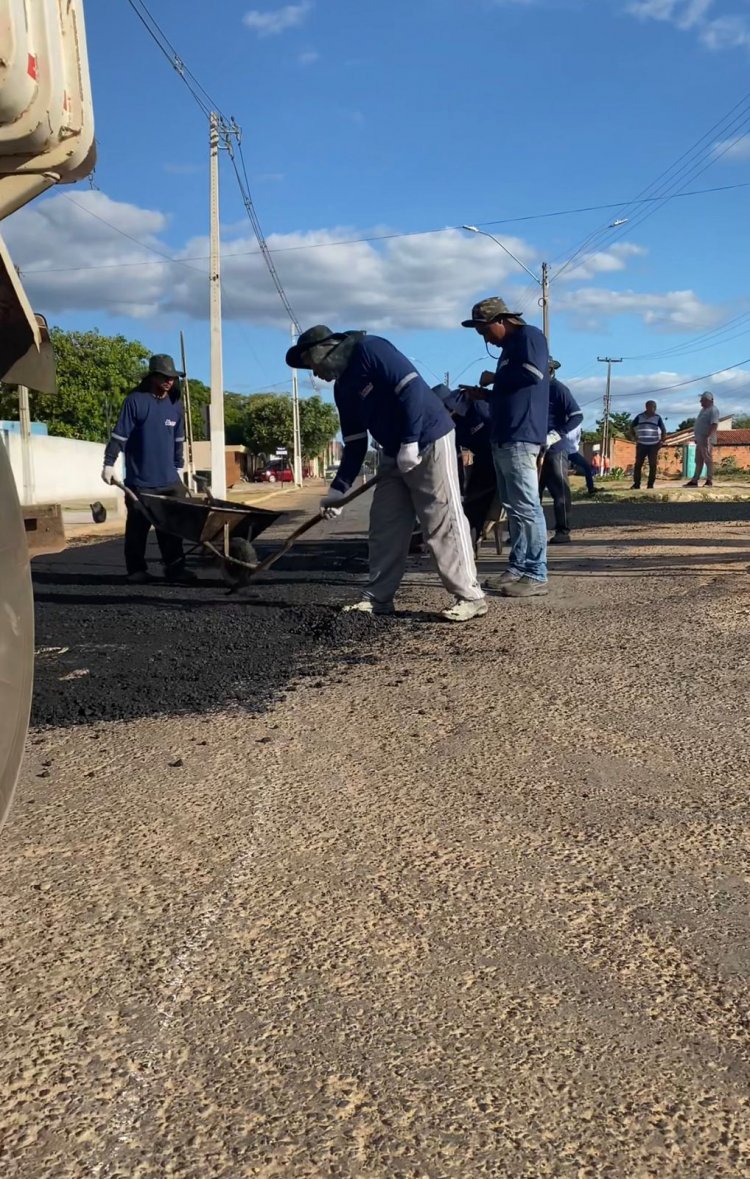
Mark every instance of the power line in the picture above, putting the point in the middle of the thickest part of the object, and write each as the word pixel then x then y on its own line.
pixel 336 244
pixel 721 127
pixel 677 384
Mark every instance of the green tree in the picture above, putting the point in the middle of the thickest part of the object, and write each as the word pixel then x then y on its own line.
pixel 740 422
pixel 686 424
pixel 619 425
pixel 94 372
pixel 268 422
pixel 318 423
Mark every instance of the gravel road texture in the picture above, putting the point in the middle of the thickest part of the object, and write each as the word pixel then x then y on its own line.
pixel 387 898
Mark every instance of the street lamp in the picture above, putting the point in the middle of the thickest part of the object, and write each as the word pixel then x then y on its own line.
pixel 542 282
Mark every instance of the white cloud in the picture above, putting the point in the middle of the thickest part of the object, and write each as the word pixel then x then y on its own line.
pixel 277 20
pixel 716 32
pixel 731 389
pixel 675 311
pixel 603 262
pixel 733 149
pixel 72 261
pixel 309 57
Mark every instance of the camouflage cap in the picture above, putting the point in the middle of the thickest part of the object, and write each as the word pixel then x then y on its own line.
pixel 488 311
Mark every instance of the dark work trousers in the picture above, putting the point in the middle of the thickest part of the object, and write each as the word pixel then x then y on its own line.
pixel 480 491
pixel 581 464
pixel 641 453
pixel 554 479
pixel 137 528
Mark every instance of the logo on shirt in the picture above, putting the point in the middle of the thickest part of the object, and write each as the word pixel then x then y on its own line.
pixel 366 391
pixel 169 422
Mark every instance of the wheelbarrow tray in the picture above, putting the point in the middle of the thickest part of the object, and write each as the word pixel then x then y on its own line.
pixel 202 521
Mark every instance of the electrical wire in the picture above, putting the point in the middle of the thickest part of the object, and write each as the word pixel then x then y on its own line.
pixel 671 176
pixel 666 388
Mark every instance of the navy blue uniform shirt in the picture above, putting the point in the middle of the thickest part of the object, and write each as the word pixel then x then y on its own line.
pixel 564 413
pixel 382 394
pixel 151 431
pixel 519 401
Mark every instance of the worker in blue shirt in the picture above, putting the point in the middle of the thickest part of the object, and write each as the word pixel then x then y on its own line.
pixel 518 394
pixel 151 432
pixel 564 416
pixel 377 391
pixel 471 421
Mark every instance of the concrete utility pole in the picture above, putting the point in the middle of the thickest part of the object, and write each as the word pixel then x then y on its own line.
pixel 27 466
pixel 609 361
pixel 545 300
pixel 216 409
pixel 296 433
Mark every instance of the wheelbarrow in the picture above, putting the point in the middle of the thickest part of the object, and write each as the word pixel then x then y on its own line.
pixel 224 529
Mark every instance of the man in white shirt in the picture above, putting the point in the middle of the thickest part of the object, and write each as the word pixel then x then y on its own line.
pixel 705 428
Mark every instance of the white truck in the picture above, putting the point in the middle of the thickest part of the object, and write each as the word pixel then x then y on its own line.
pixel 46 138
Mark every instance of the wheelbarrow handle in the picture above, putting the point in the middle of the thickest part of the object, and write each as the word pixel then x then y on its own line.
pixel 308 524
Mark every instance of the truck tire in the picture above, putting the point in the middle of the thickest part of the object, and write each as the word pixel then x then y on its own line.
pixel 16 636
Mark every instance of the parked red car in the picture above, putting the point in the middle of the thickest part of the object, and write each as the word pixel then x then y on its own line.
pixel 274 473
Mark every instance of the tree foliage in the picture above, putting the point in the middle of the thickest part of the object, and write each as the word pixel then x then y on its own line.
pixel 94 372
pixel 686 424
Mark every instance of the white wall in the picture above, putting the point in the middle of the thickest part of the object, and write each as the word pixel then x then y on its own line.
pixel 63 470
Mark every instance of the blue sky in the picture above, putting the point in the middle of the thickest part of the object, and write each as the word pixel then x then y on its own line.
pixel 368 120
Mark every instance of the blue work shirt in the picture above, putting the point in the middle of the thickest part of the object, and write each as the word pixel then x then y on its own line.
pixel 519 399
pixel 472 424
pixel 380 393
pixel 151 431
pixel 564 413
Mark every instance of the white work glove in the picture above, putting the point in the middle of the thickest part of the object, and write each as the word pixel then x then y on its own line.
pixel 109 475
pixel 408 457
pixel 552 438
pixel 328 509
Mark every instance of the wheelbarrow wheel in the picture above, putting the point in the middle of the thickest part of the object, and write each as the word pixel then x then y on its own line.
pixel 240 550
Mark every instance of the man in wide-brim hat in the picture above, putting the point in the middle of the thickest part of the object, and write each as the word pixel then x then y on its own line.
pixel 518 395
pixel 151 432
pixel 378 392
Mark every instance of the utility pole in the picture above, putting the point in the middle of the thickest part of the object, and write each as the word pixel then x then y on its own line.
pixel 27 467
pixel 296 433
pixel 609 361
pixel 216 409
pixel 188 418
pixel 545 300
pixel 448 379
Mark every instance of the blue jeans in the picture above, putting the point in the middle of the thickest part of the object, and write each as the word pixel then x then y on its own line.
pixel 578 461
pixel 518 484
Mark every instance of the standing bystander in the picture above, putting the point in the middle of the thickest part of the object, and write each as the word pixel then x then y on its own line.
pixel 705 429
pixel 648 431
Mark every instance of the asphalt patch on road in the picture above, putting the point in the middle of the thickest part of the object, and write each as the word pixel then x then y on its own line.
pixel 109 651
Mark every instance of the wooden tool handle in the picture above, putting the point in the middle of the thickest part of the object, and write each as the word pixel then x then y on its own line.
pixel 308 524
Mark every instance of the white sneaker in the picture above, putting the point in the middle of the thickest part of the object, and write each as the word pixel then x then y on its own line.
pixel 367 606
pixel 463 610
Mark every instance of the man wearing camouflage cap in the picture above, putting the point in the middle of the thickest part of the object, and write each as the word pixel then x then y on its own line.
pixel 518 394
pixel 378 392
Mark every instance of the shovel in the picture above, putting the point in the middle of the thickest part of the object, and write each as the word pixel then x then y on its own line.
pixel 262 566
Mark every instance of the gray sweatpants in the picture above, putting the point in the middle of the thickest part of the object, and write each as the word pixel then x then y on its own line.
pixel 430 494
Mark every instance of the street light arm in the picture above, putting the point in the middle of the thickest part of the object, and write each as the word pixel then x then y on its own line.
pixel 484 233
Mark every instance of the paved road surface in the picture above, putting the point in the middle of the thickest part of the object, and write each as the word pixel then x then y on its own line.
pixel 363 898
